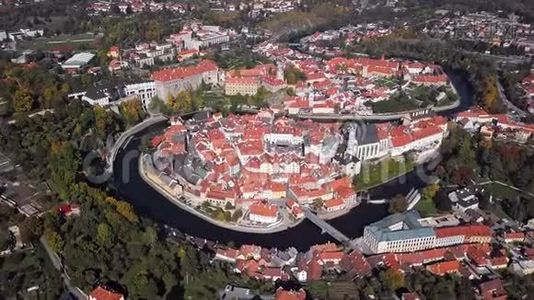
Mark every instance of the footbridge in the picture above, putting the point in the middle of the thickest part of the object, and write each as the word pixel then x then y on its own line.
pixel 325 227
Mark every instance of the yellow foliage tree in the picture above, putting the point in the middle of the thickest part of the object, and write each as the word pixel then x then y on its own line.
pixel 127 211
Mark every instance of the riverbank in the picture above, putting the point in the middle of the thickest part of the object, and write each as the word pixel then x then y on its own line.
pixel 278 227
pixel 149 203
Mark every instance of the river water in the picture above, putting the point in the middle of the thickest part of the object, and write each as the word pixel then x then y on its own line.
pixel 149 203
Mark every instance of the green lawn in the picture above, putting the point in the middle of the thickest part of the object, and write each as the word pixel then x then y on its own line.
pixel 393 105
pixel 380 172
pixel 83 40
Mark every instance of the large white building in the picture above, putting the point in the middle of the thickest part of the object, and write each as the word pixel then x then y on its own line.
pixel 198 37
pixel 398 233
pixel 106 95
pixel 145 91
pixel 241 86
pixel 372 141
pixel 404 233
pixel 77 62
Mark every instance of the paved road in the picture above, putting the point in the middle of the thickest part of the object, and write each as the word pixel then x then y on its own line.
pixel 56 262
pixel 507 185
pixel 125 136
pixel 376 117
pixel 509 104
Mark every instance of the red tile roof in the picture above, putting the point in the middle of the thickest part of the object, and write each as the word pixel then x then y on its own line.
pixel 272 81
pixel 335 202
pixel 441 79
pixel 102 294
pixel 467 230
pixel 263 209
pixel 330 256
pixel 443 268
pixel 241 81
pixel 493 289
pixel 282 294
pixel 184 72
pixel 383 70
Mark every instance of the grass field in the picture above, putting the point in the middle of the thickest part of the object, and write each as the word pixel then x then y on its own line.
pixel 383 171
pixel 77 41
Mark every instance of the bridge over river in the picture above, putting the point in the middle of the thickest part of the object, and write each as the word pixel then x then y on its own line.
pixel 325 227
pixel 412 198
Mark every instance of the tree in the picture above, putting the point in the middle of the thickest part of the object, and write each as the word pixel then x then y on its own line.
pixel 293 75
pixel 317 204
pixel 228 206
pixel 180 103
pixel 115 9
pixel 23 100
pixel 54 240
pixel 398 204
pixel 237 214
pixel 49 96
pixel 426 205
pixel 126 210
pixel 86 79
pixel 443 203
pixel 132 112
pixel 394 279
pixel 102 121
pixel 63 167
pixel 430 191
pixel 5 236
pixel 144 287
pixel 103 234
pixel 197 101
pixel 153 31
pixel 484 200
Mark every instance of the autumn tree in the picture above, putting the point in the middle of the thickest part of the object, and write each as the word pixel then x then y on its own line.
pixel 126 210
pixel 103 234
pixel 54 240
pixel 132 112
pixel 426 205
pixel 102 120
pixel 393 279
pixel 398 204
pixel 63 167
pixel 53 95
pixel 22 100
pixel 153 31
pixel 293 75
pixel 182 102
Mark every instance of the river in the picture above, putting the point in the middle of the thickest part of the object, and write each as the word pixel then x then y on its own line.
pixel 149 203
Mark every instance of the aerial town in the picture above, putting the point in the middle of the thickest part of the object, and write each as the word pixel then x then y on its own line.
pixel 266 149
